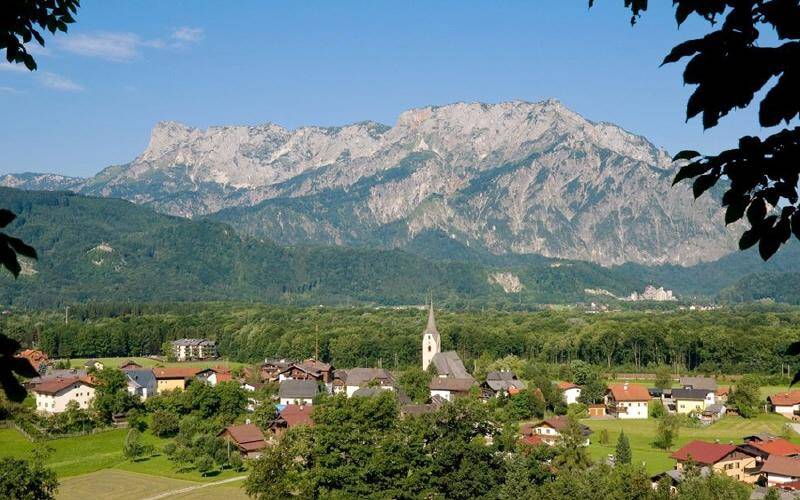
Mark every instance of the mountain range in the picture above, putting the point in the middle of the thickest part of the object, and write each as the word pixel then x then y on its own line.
pixel 507 180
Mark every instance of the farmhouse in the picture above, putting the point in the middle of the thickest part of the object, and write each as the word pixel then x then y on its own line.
pixel 247 438
pixel 628 400
pixel 93 364
pixel 130 365
pixel 571 392
pixel 690 400
pixel 779 470
pixel 706 383
pixel 192 349
pixel 270 369
pixel 724 458
pixel 171 378
pixel 310 369
pixel 549 430
pixel 785 403
pixel 289 416
pixel 774 446
pixel 214 376
pixel 141 382
pixel 448 388
pixel 501 383
pixel 298 392
pixel 53 395
pixel 349 381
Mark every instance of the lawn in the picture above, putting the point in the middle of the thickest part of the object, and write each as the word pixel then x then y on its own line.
pixel 123 485
pixel 83 454
pixel 115 362
pixel 641 434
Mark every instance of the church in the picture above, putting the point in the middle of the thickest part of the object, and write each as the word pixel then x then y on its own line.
pixel 452 378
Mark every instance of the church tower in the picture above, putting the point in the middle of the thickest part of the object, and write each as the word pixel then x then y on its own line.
pixel 431 343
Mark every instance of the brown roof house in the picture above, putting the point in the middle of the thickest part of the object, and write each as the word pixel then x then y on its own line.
pixel 172 378
pixel 38 359
pixel 549 430
pixel 501 383
pixel 53 394
pixel 349 381
pixel 780 470
pixel 299 392
pixel 628 400
pixel 785 403
pixel 727 459
pixel 247 437
pixel 449 388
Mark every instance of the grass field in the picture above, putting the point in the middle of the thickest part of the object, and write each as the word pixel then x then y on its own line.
pixel 115 362
pixel 641 434
pixel 124 485
pixel 83 454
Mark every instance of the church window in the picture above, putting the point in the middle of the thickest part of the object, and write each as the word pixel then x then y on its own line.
pixel 429 348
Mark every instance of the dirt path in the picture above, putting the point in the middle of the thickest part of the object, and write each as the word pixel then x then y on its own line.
pixel 192 488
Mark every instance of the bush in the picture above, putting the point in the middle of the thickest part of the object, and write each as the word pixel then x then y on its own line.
pixel 657 409
pixel 164 423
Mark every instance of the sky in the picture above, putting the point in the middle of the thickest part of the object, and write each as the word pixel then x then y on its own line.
pixel 125 66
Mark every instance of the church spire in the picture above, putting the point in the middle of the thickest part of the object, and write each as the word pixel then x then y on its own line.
pixel 431 328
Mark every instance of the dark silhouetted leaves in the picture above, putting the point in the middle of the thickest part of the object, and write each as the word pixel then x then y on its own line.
pixel 18 22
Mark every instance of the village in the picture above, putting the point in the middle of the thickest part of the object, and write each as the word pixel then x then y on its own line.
pixel 764 458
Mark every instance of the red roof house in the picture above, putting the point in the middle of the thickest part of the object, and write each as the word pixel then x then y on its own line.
pixel 247 437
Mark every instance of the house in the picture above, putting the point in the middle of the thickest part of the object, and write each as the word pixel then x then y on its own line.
pixel 288 416
pixel 52 396
pixel 722 458
pixel 549 430
pixel 130 365
pixel 141 382
pixel 707 383
pixel 270 369
pixel 93 364
pixel 38 359
pixel 712 413
pixel 172 378
pixel 449 364
pixel 785 403
pixel 349 381
pixel 310 369
pixel 571 392
pixel 247 437
pixel 776 446
pixel 299 392
pixel 690 400
pixel 721 394
pixel 501 383
pixel 628 400
pixel 778 470
pixel 448 388
pixel 676 478
pixel 194 349
pixel 214 376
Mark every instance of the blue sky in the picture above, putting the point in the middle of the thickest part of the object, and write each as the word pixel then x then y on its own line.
pixel 126 65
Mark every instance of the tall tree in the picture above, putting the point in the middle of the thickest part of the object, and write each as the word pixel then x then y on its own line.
pixel 729 66
pixel 623 452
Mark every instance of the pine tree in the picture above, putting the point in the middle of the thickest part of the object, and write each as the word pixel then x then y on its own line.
pixel 623 455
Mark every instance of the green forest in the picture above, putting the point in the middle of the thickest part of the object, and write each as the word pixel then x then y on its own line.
pixel 719 341
pixel 109 250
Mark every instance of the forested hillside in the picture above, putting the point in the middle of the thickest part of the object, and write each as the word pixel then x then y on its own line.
pixel 713 341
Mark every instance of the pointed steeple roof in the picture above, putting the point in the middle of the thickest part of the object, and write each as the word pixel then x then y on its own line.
pixel 431 328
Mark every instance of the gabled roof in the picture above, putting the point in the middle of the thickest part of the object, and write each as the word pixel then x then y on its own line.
pixel 449 364
pixel 174 372
pixel 143 377
pixel 297 415
pixel 777 446
pixel 699 383
pixel 567 385
pixel 690 394
pixel 629 392
pixel 782 466
pixel 363 376
pixel 247 436
pixel 703 453
pixel 790 398
pixel 559 423
pixel 451 384
pixel 761 436
pixel 35 356
pixel 130 364
pixel 54 386
pixel 193 342
pixel 501 375
pixel 506 385
pixel 291 388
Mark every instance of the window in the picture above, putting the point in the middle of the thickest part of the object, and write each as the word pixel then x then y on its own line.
pixel 429 348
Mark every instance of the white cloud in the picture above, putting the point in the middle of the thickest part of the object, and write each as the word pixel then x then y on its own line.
pixel 8 90
pixel 59 82
pixel 12 67
pixel 186 34
pixel 111 46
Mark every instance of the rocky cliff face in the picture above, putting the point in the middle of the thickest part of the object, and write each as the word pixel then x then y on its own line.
pixel 513 177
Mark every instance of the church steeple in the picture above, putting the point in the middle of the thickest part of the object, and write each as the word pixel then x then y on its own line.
pixel 431 342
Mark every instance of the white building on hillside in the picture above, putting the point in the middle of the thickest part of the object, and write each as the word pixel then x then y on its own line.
pixel 53 395
pixel 431 342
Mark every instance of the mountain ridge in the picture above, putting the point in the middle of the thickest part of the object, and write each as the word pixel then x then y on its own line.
pixel 511 178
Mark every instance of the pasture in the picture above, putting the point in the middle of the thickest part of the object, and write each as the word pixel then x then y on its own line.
pixel 149 362
pixel 641 434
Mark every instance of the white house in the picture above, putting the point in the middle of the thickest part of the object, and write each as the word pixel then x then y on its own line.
pixel 53 395
pixel 628 400
pixel 449 388
pixel 349 381
pixel 571 392
pixel 779 470
pixel 188 349
pixel 549 430
pixel 141 383
pixel 785 403
pixel 298 392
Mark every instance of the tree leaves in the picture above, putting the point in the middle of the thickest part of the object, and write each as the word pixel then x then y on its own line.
pixel 17 21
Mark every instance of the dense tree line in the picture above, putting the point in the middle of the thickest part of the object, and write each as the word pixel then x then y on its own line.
pixel 721 341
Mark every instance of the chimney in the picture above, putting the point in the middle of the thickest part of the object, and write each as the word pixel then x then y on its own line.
pixel 301 407
pixel 625 387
